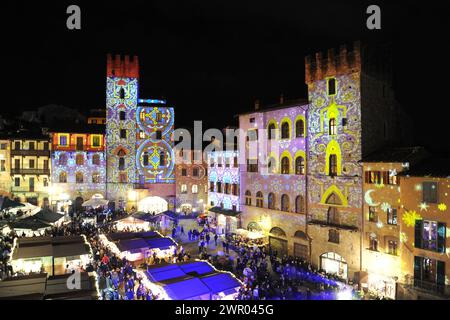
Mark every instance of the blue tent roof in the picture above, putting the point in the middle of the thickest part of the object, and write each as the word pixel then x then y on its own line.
pixel 133 244
pixel 165 273
pixel 199 267
pixel 186 289
pixel 220 282
pixel 160 243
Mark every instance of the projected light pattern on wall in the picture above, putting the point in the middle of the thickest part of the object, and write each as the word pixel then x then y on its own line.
pixel 154 146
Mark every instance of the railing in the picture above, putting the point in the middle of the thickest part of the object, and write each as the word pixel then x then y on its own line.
pixel 21 152
pixel 76 147
pixel 30 171
pixel 332 225
pixel 429 286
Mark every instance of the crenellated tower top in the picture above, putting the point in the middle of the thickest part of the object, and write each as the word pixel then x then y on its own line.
pixel 333 64
pixel 126 68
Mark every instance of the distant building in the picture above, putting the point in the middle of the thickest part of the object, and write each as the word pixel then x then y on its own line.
pixel 30 166
pixel 424 222
pixel 5 162
pixel 78 165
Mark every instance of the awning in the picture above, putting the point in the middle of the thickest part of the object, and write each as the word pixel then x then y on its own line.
pixel 224 211
pixel 48 216
pixel 6 203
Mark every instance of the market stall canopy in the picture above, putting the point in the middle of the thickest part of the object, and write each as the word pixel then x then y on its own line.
pixel 6 203
pixel 29 223
pixel 227 212
pixel 97 200
pixel 48 216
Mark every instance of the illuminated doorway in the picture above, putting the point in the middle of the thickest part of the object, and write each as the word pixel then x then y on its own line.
pixel 334 264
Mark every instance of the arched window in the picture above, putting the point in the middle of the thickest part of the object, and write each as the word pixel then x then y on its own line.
pixel 299 128
pixel 63 177
pixel 285 165
pixel 271 131
pixel 248 198
pixel 271 201
pixel 162 159
pixel 79 177
pixel 122 93
pixel 96 159
pixel 79 159
pixel 121 163
pixel 271 165
pixel 300 166
pixel 333 165
pixel 332 129
pixel 96 177
pixel 62 161
pixel 194 189
pixel 284 202
pixel 285 130
pixel 259 199
pixel 299 204
pixel 145 159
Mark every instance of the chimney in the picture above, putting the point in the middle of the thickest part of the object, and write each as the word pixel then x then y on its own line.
pixel 256 104
pixel 281 98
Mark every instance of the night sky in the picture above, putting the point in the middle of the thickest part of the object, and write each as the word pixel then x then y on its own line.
pixel 212 59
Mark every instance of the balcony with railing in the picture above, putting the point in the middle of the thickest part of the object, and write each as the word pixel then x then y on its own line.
pixel 331 224
pixel 79 147
pixel 30 152
pixel 31 171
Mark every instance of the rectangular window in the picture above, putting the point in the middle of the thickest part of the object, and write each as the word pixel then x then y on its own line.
pixel 31 163
pixel 17 145
pixel 219 187
pixel 429 235
pixel 227 188
pixel 331 86
pixel 158 117
pixel 195 172
pixel 183 188
pixel 30 145
pixel 391 216
pixel 372 214
pixel 183 172
pixel 219 162
pixel 17 182
pixel 46 146
pixel 63 140
pixel 123 133
pixel 252 120
pixel 344 122
pixel 333 236
pixel 3 165
pixel 96 141
pixel 235 162
pixel 123 177
pixel 211 186
pixel 430 192
pixel 158 135
pixel 392 247
pixel 3 146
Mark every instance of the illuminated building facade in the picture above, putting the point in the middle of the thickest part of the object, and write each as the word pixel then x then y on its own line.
pixel 5 177
pixel 381 225
pixel 78 166
pixel 30 168
pixel 273 192
pixel 224 185
pixel 351 114
pixel 140 158
pixel 424 222
pixel 191 175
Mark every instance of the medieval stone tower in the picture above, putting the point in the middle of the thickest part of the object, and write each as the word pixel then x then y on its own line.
pixel 122 82
pixel 352 113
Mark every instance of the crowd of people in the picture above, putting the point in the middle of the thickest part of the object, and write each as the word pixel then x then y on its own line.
pixel 6 243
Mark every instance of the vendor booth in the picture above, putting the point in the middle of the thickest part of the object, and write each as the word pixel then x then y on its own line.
pixel 197 280
pixel 138 246
pixel 225 221
pixel 96 201
pixel 29 227
pixel 52 255
pixel 131 223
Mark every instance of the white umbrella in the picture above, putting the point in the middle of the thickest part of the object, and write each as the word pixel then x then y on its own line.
pixel 95 203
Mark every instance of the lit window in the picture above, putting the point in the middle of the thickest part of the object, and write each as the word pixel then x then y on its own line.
pixel 373 242
pixel 96 177
pixel 392 247
pixel 79 177
pixel 391 216
pixel 332 129
pixel 79 159
pixel 259 199
pixel 333 165
pixel 300 166
pixel 96 141
pixel 96 159
pixel 248 198
pixel 194 189
pixel 183 188
pixel 63 177
pixel 430 192
pixel 285 165
pixel 63 140
pixel 373 214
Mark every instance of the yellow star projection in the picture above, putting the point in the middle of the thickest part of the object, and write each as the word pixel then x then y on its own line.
pixel 410 217
pixel 442 206
pixel 423 206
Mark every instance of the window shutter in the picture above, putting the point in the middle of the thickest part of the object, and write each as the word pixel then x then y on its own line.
pixel 440 270
pixel 417 268
pixel 441 237
pixel 418 234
